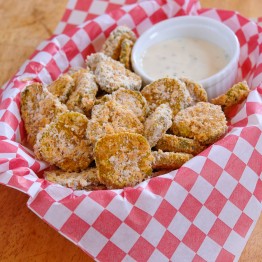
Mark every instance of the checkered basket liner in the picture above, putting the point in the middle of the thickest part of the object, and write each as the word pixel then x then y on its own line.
pixel 204 211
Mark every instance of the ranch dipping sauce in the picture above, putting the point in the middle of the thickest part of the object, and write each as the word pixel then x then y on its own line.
pixel 193 58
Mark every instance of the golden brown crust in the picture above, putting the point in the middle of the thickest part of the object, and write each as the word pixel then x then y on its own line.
pixel 203 122
pixel 197 92
pixel 235 95
pixel 83 98
pixel 125 53
pixel 86 179
pixel 123 159
pixel 133 100
pixel 112 45
pixel 112 75
pixel 167 90
pixel 94 59
pixel 111 117
pixel 38 108
pixel 62 87
pixel 157 124
pixel 173 143
pixel 169 160
pixel 63 142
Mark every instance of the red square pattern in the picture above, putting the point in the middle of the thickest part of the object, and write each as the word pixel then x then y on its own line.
pixel 131 194
pixel 70 49
pixel 53 69
pixel 225 256
pixel 243 224
pixel 168 244
pixel 186 178
pixel 138 219
pixel 72 201
pixel 42 203
pixel 102 199
pixel 138 14
pixel 253 107
pixel 255 162
pixel 93 30
pixel 165 213
pixel 190 207
pixel 258 190
pixel 111 252
pixel 215 202
pixel 240 196
pixel 245 133
pixel 142 250
pixel 197 258
pixel 219 232
pixel 10 119
pixel 159 186
pixel 20 182
pixel 158 16
pixel 83 5
pixel 75 228
pixel 235 167
pixel 111 221
pixel 211 172
pixel 194 238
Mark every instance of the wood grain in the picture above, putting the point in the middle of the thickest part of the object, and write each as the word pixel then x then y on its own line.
pixel 24 236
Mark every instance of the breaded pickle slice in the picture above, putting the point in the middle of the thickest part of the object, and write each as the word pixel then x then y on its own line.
pixel 94 59
pixel 63 142
pixel 112 75
pixel 235 95
pixel 75 73
pixel 169 160
pixel 132 100
pixel 62 87
pixel 158 123
pixel 83 98
pixel 123 159
pixel 38 108
pixel 196 90
pixel 111 117
pixel 167 90
pixel 125 53
pixel 112 45
pixel 173 143
pixel 203 122
pixel 86 179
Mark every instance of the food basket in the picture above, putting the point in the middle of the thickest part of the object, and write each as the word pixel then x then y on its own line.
pixel 204 211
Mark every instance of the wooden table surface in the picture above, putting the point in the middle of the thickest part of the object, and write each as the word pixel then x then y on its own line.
pixel 25 237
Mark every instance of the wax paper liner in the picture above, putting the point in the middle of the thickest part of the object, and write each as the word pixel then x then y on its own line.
pixel 205 211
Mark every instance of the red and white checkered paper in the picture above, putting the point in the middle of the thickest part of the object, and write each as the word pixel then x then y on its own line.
pixel 204 211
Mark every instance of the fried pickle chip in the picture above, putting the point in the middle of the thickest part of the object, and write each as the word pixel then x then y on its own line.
pixel 86 179
pixel 38 108
pixel 158 123
pixel 169 160
pixel 197 92
pixel 75 73
pixel 132 100
pixel 173 143
pixel 63 142
pixel 235 95
pixel 125 53
pixel 167 90
pixel 112 45
pixel 62 87
pixel 203 122
pixel 123 159
pixel 112 75
pixel 83 98
pixel 94 59
pixel 111 117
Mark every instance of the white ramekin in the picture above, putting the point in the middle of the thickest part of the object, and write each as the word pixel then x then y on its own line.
pixel 197 27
